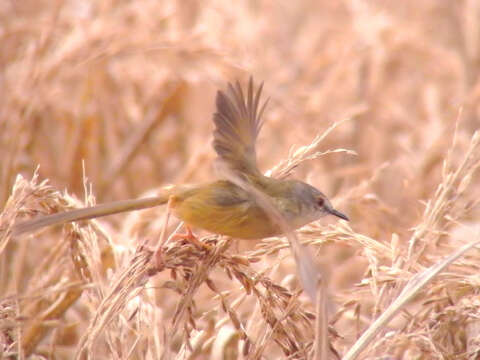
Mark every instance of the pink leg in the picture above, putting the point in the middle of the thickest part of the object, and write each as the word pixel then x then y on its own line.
pixel 190 237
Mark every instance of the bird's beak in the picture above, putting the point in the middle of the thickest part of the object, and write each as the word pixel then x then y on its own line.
pixel 338 214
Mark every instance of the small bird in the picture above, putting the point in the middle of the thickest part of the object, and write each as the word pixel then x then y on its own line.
pixel 224 207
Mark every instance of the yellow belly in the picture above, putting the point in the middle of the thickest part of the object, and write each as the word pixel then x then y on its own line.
pixel 222 208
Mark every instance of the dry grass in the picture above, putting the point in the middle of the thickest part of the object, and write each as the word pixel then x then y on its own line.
pixel 123 94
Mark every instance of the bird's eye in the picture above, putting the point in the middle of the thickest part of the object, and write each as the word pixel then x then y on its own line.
pixel 320 202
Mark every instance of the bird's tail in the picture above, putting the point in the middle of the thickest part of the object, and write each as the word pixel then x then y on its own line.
pixel 114 207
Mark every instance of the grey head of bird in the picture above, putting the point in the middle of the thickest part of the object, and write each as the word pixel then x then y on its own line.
pixel 312 203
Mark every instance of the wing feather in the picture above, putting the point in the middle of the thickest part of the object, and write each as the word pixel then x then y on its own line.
pixel 237 124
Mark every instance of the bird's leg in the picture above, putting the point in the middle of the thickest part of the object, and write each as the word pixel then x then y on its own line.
pixel 190 237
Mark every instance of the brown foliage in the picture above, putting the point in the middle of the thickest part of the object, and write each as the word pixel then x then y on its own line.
pixel 122 93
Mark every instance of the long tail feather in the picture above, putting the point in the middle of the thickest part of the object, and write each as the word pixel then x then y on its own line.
pixel 89 213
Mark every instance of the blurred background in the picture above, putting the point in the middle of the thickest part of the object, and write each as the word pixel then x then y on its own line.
pixel 123 93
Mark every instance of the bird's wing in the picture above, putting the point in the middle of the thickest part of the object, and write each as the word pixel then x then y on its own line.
pixel 238 121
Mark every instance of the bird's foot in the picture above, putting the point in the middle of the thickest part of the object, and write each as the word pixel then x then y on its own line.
pixel 191 238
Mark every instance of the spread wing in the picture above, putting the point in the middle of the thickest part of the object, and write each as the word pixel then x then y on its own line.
pixel 238 121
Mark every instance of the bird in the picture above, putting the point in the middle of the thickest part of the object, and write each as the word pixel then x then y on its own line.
pixel 226 206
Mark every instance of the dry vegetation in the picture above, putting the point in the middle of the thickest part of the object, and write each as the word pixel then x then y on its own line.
pixel 122 93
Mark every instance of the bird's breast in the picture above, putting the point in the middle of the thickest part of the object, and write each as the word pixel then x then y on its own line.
pixel 225 209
